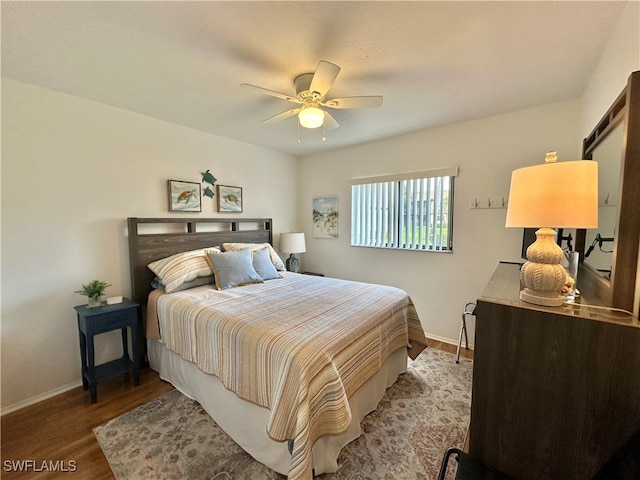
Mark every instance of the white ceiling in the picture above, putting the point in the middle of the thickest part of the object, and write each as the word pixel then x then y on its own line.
pixel 434 62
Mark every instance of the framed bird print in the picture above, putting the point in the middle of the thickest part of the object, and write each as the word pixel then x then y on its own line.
pixel 229 199
pixel 184 196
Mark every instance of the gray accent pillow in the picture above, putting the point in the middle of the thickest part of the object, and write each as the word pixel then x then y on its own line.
pixel 275 258
pixel 263 264
pixel 232 269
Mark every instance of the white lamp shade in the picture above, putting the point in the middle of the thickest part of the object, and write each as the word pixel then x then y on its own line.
pixel 555 194
pixel 292 243
pixel 311 117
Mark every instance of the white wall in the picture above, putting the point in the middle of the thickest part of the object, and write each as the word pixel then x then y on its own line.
pixel 486 151
pixel 620 57
pixel 72 171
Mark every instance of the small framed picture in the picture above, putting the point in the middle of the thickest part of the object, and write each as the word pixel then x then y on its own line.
pixel 229 199
pixel 184 196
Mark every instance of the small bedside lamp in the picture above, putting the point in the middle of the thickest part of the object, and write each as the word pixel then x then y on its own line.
pixel 292 243
pixel 555 194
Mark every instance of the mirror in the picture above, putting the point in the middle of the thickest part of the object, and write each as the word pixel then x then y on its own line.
pixel 621 123
pixel 599 241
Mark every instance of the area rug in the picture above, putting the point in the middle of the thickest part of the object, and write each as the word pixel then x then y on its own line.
pixel 425 412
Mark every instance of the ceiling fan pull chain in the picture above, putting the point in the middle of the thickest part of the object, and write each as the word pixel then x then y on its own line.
pixel 324 131
pixel 298 124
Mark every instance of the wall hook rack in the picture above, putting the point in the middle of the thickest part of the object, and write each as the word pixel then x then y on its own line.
pixel 489 203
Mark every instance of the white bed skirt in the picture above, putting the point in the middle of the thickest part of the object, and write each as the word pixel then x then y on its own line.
pixel 246 422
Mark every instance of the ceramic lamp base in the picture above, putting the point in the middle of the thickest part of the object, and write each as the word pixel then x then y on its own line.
pixel 542 275
pixel 541 298
pixel 293 264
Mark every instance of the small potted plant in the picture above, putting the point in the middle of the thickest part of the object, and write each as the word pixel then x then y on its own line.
pixel 94 291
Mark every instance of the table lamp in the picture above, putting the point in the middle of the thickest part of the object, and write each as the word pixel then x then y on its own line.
pixel 551 195
pixel 292 243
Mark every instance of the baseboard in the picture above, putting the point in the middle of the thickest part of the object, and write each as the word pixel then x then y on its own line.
pixel 39 398
pixel 447 340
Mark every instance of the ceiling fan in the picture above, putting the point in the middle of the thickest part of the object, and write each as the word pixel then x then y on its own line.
pixel 311 89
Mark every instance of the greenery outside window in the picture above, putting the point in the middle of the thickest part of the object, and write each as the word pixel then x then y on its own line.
pixel 412 211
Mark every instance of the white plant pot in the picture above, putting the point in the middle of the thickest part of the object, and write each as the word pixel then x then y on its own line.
pixel 94 302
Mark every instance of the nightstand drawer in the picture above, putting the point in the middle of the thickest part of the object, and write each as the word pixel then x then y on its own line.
pixel 106 323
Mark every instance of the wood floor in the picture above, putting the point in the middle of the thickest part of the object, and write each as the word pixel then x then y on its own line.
pixel 58 431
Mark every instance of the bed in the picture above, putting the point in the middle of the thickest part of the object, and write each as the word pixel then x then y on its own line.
pixel 287 364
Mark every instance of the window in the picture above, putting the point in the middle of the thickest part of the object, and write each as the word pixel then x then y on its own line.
pixel 412 211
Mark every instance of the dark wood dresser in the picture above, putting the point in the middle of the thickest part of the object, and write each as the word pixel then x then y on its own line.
pixel 556 390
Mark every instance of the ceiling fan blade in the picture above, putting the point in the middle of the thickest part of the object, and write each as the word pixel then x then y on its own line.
pixel 323 78
pixel 273 93
pixel 282 116
pixel 330 123
pixel 354 102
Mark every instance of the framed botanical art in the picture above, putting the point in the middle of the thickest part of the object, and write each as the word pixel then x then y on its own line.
pixel 229 199
pixel 325 217
pixel 184 196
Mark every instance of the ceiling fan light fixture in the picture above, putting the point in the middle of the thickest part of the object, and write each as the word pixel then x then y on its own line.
pixel 311 90
pixel 311 117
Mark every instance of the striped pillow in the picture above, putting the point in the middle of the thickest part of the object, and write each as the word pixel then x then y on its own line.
pixel 182 267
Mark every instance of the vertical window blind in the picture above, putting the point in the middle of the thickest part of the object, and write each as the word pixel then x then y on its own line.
pixel 412 211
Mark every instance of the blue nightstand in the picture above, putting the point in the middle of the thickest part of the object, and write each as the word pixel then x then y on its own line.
pixel 93 321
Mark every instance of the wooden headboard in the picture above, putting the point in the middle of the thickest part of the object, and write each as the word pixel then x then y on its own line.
pixel 151 239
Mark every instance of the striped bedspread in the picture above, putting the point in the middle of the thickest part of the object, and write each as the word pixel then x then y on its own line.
pixel 299 346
